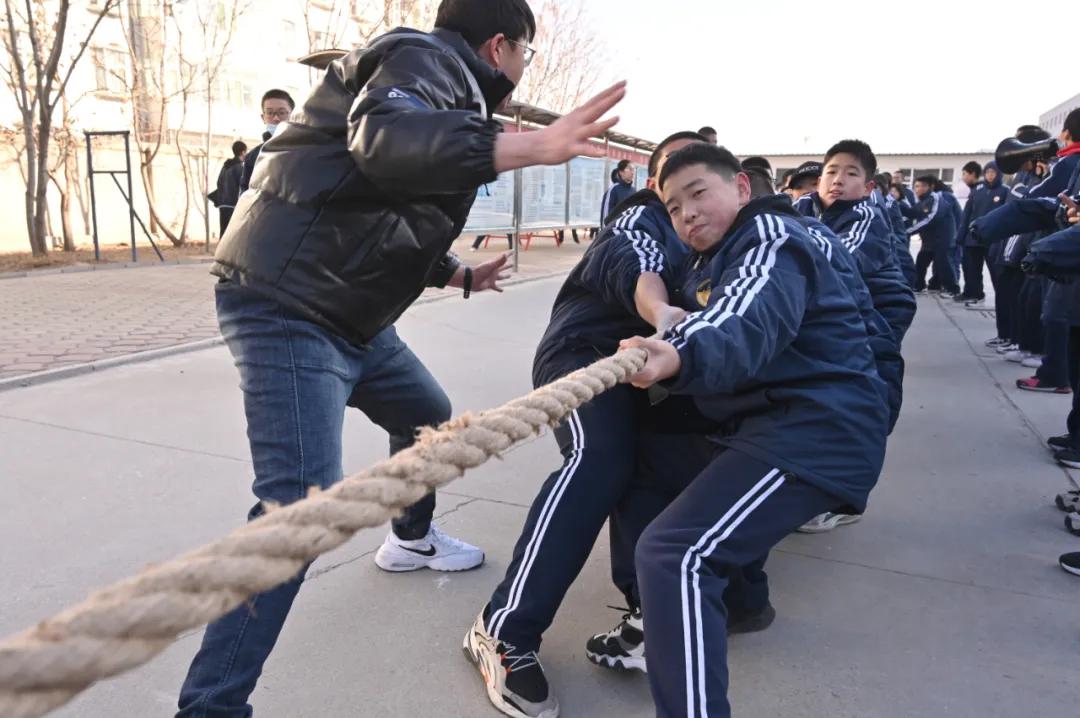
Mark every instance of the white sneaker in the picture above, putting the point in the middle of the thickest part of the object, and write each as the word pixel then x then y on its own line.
pixel 1032 361
pixel 828 522
pixel 1016 356
pixel 515 680
pixel 436 551
pixel 1006 348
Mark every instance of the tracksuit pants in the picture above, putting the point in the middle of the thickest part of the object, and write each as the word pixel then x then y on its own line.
pixel 732 514
pixel 598 447
pixel 1007 300
pixel 944 277
pixel 1029 317
pixel 974 259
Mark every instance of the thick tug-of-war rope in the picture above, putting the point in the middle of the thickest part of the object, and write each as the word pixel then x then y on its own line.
pixel 130 622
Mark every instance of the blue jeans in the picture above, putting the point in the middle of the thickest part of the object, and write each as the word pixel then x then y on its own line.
pixel 298 378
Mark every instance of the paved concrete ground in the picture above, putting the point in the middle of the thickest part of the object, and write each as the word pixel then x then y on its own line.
pixel 53 321
pixel 945 601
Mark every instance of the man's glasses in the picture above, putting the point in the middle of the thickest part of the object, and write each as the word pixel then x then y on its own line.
pixel 277 114
pixel 529 52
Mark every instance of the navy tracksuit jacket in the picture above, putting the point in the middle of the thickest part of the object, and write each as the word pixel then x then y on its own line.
pixel 616 194
pixel 868 237
pixel 934 221
pixel 777 353
pixel 985 198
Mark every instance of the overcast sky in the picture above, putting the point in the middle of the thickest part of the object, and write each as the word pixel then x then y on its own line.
pixel 781 76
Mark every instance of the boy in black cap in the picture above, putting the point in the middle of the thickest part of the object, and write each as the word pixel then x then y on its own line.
pixel 804 180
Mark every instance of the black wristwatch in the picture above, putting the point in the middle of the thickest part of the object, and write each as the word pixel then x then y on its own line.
pixel 468 282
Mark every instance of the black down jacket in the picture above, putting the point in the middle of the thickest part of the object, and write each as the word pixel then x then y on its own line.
pixel 354 204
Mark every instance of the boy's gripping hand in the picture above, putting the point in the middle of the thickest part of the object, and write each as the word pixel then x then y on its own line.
pixel 667 318
pixel 663 361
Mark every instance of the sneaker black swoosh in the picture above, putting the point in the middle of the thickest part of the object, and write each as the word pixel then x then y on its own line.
pixel 428 552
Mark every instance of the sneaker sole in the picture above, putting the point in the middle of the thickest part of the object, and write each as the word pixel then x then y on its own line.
pixel 498 702
pixel 407 564
pixel 1040 389
pixel 1069 463
pixel 1069 569
pixel 830 526
pixel 627 664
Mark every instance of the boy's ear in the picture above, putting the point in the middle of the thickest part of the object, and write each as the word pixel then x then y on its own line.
pixel 743 182
pixel 650 183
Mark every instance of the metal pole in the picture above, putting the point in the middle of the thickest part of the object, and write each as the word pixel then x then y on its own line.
pixel 566 207
pixel 131 196
pixel 93 197
pixel 519 178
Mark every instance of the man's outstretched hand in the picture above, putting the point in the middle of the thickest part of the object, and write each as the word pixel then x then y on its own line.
pixel 485 276
pixel 663 361
pixel 566 138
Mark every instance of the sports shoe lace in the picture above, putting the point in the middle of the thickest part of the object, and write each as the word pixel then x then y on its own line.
pixel 516 661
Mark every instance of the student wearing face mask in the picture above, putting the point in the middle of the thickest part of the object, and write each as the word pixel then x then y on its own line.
pixel 277 105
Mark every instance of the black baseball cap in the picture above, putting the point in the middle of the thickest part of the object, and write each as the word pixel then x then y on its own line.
pixel 805 170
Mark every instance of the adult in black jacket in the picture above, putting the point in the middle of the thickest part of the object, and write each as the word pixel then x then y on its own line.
pixel 352 209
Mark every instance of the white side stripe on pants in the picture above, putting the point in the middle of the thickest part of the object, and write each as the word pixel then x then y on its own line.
pixel 498 618
pixel 692 624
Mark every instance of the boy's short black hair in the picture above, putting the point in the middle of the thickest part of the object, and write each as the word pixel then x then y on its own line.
pixel 480 20
pixel 759 162
pixel 786 177
pixel 706 130
pixel 1072 124
pixel 883 180
pixel 858 149
pixel 654 159
pixel 716 158
pixel 974 168
pixel 238 148
pixel 927 180
pixel 623 164
pixel 276 94
pixel 760 182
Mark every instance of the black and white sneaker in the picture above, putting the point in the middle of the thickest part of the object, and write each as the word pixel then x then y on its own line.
pixel 1059 443
pixel 1069 502
pixel 975 304
pixel 1068 457
pixel 1070 562
pixel 622 648
pixel 515 680
pixel 1072 524
pixel 436 551
pixel 996 342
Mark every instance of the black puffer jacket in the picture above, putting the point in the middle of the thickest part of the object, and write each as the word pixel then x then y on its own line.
pixel 355 202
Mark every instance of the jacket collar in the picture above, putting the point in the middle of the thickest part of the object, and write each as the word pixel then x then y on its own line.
pixel 495 86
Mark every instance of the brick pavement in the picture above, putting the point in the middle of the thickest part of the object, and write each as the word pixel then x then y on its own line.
pixel 57 321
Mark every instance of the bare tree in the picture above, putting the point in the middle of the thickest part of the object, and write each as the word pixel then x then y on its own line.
pixel 160 78
pixel 35 40
pixel 216 23
pixel 570 58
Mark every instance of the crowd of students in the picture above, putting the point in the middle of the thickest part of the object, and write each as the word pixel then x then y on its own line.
pixel 757 304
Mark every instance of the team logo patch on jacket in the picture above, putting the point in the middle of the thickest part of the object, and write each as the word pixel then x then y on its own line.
pixel 703 292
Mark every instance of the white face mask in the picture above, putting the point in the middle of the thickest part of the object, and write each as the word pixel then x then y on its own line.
pixel 272 128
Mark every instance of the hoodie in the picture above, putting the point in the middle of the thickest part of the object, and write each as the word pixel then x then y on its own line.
pixel 985 198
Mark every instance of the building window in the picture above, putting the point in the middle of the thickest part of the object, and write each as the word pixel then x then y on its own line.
pixel 110 70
